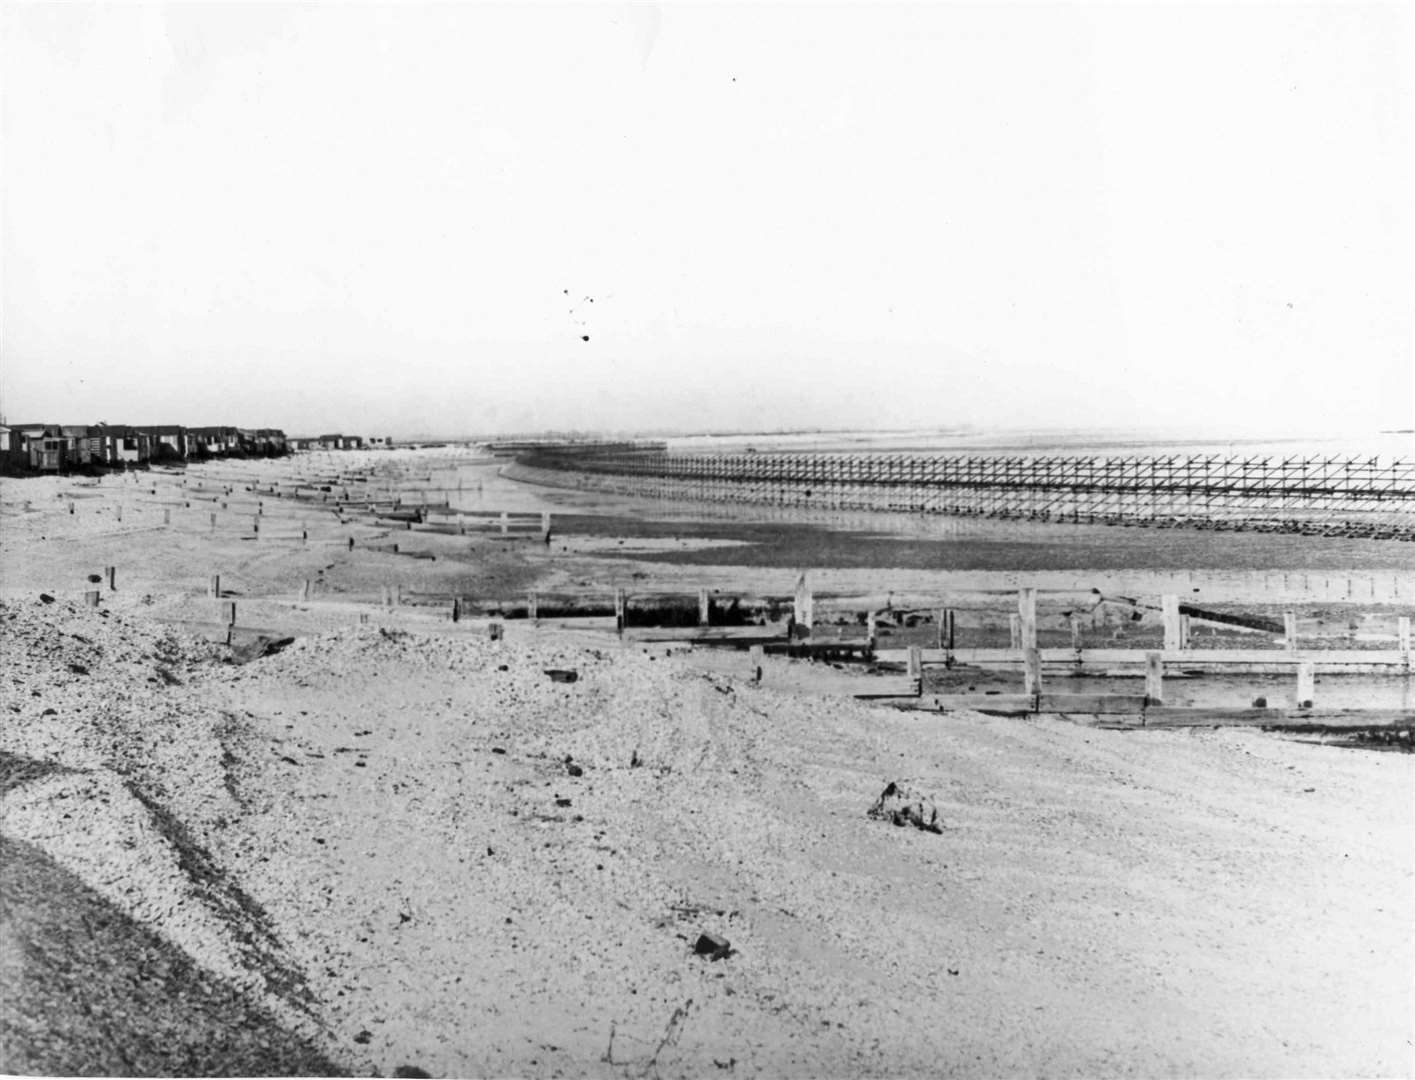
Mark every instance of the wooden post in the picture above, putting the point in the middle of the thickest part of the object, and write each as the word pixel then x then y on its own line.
pixel 305 589
pixel 385 596
pixel 1289 630
pixel 91 598
pixel 1154 678
pixel 1032 671
pixel 619 605
pixel 704 608
pixel 228 612
pixel 398 595
pixel 755 656
pixel 167 517
pixel 494 631
pixel 916 668
pixel 532 607
pixel 120 511
pixel 456 610
pixel 1027 611
pixel 304 535
pixel 255 525
pixel 1403 637
pixel 871 628
pixel 1014 627
pixel 545 524
pixel 940 624
pixel 110 574
pixel 1076 636
pixel 505 523
pixel 1169 606
pixel 1184 631
pixel 71 506
pixel 1306 684
pixel 952 630
pixel 213 588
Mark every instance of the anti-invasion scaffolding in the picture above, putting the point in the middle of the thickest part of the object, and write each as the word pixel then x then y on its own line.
pixel 1328 496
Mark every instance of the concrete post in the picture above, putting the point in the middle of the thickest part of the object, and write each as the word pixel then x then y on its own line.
pixel 1032 671
pixel 805 608
pixel 1027 618
pixel 1169 606
pixel 1154 678
pixel 1306 684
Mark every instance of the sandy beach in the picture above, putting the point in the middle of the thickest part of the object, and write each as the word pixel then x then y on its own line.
pixel 393 845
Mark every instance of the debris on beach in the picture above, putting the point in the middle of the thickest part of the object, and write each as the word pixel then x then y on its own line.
pixel 713 946
pixel 903 805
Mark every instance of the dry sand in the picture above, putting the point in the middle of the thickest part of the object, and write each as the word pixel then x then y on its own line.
pixel 368 851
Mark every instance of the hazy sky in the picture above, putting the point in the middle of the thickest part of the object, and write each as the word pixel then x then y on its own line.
pixel 393 219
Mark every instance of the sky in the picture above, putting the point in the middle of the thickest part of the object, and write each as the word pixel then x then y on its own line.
pixel 454 219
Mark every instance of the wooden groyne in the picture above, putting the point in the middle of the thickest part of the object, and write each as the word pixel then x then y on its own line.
pixel 1366 498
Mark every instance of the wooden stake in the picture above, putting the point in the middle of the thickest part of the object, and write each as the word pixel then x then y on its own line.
pixel 305 589
pixel 532 607
pixel 704 608
pixel 1403 636
pixel 111 574
pixel 1154 678
pixel 228 611
pixel 755 656
pixel 213 588
pixel 916 667
pixel 619 605
pixel 1014 627
pixel 505 523
pixel 1289 630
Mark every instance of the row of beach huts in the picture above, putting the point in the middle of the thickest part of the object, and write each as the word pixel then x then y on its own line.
pixel 59 448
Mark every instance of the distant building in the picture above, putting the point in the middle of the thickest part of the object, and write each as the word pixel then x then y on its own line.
pixel 168 440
